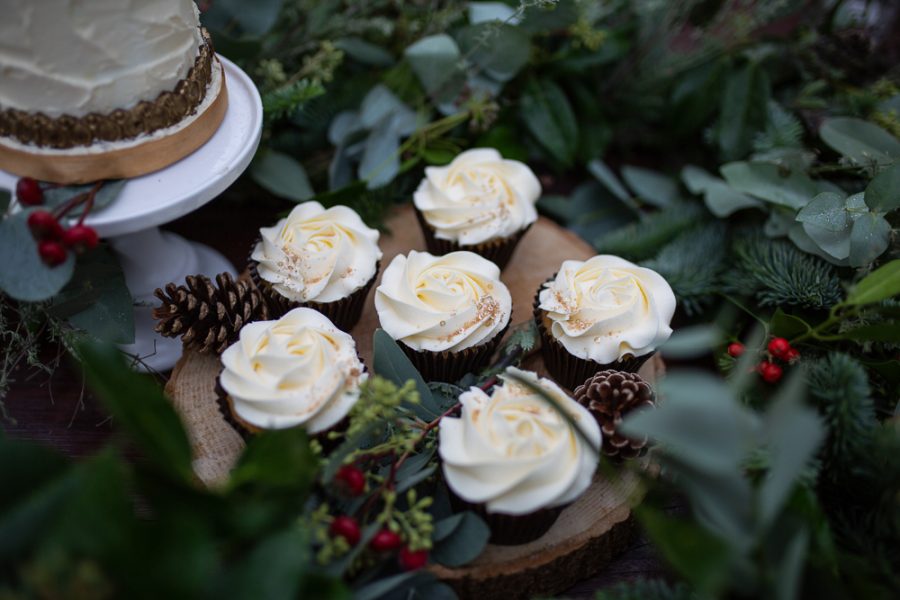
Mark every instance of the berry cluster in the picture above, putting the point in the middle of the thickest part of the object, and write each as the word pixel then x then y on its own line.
pixel 778 349
pixel 53 240
pixel 351 481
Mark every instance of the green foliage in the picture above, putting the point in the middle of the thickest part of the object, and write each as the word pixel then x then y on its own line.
pixel 647 589
pixel 782 130
pixel 24 275
pixel 644 238
pixel 839 385
pixel 778 274
pixel 691 263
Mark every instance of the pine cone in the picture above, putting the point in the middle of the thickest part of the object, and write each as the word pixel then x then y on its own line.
pixel 610 395
pixel 208 317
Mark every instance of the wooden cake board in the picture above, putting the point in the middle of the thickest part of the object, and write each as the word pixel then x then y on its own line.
pixel 588 533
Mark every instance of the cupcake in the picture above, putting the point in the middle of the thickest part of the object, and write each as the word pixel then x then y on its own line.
pixel 602 313
pixel 298 371
pixel 514 459
pixel 322 259
pixel 448 313
pixel 479 202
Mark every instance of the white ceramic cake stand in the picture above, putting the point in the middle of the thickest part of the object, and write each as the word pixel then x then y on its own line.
pixel 150 257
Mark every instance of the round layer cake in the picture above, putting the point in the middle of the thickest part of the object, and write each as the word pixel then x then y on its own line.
pixel 104 89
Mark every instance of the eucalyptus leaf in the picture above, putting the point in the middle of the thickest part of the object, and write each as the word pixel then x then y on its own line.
pixel 880 284
pixel 547 114
pixel 827 222
pixel 106 195
pixel 768 182
pixel 801 239
pixel 883 192
pixel 281 175
pixel 653 187
pixel 721 199
pixel 436 62
pixel 24 275
pixel 255 20
pixel 483 12
pixel 391 363
pixel 344 124
pixel 381 158
pixel 381 587
pixel 692 341
pixel 5 199
pixel 379 104
pixel 499 50
pixel 414 480
pixel 862 142
pixel 869 238
pixel 365 52
pixel 464 543
pixel 794 433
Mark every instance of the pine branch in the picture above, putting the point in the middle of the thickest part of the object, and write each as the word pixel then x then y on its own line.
pixel 777 273
pixel 642 240
pixel 783 130
pixel 647 589
pixel 840 387
pixel 285 100
pixel 691 263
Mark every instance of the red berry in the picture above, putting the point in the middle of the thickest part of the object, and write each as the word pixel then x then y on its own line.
pixel 735 349
pixel 791 355
pixel 52 253
pixel 778 347
pixel 412 561
pixel 385 541
pixel 44 226
pixel 29 192
pixel 347 528
pixel 770 372
pixel 80 238
pixel 351 480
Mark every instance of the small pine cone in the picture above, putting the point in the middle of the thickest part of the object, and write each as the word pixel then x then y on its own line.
pixel 609 396
pixel 208 317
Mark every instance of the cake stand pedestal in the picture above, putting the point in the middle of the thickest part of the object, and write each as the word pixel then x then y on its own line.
pixel 150 257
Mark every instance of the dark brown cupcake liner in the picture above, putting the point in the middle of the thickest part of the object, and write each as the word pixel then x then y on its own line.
pixel 510 530
pixel 450 366
pixel 344 313
pixel 567 369
pixel 498 251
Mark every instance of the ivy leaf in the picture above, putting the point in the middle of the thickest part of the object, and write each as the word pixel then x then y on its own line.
pixel 869 238
pixel 653 187
pixel 459 539
pixel 24 275
pixel 883 192
pixel 787 326
pixel 140 408
pixel 436 62
pixel 862 142
pixel 721 199
pixel 548 115
pixel 770 183
pixel 880 284
pixel 391 363
pixel 97 300
pixel 281 175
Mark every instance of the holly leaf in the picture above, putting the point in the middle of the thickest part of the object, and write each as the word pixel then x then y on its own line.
pixel 24 275
pixel 880 284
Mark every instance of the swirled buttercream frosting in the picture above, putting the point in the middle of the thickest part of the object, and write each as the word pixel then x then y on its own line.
pixel 605 308
pixel 317 255
pixel 513 451
pixel 300 370
pixel 478 197
pixel 442 303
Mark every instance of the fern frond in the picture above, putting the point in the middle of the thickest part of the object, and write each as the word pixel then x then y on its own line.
pixel 691 263
pixel 643 239
pixel 777 273
pixel 783 130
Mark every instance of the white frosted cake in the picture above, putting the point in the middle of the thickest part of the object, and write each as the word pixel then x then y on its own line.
pixel 82 77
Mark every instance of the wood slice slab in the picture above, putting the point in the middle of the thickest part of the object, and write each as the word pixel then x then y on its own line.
pixel 588 533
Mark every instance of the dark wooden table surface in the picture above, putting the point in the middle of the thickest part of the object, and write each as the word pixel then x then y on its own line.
pixel 60 412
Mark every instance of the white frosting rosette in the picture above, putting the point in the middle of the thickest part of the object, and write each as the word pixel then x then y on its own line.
pixel 478 197
pixel 298 370
pixel 317 255
pixel 442 303
pixel 605 308
pixel 513 452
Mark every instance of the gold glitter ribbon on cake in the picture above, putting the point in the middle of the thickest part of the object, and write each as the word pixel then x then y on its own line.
pixel 66 131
